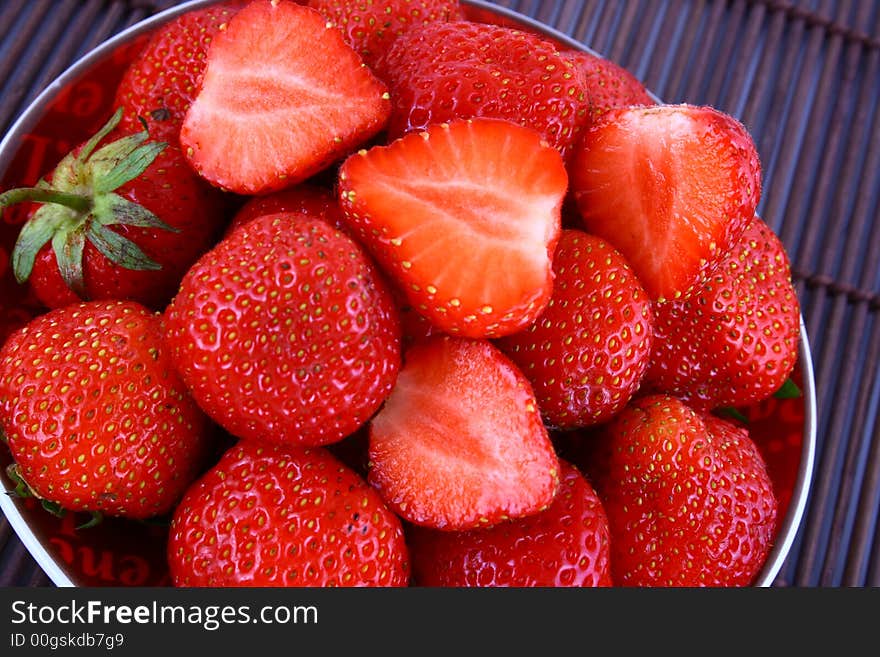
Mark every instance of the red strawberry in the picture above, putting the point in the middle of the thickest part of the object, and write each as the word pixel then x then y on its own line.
pixel 270 516
pixel 95 415
pixel 161 83
pixel 464 217
pixel 671 187
pixel 566 545
pixel 120 216
pixel 606 85
pixel 459 443
pixel 586 354
pixel 734 341
pixel 301 199
pixel 285 332
pixel 371 26
pixel 282 97
pixel 447 71
pixel 688 498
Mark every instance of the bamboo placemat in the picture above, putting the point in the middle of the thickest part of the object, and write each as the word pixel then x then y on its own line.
pixel 803 76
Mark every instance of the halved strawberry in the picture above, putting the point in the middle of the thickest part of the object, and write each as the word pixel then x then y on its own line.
pixel 464 217
pixel 281 98
pixel 671 187
pixel 459 443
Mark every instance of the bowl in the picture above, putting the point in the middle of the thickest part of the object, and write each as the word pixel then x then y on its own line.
pixel 130 553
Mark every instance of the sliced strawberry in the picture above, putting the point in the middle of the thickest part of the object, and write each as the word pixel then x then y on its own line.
pixel 282 97
pixel 671 187
pixel 464 217
pixel 459 443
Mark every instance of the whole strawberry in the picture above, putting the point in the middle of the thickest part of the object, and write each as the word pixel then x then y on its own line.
pixel 303 199
pixel 371 26
pixel 671 187
pixel 734 341
pixel 688 498
pixel 120 217
pixel 285 332
pixel 565 545
pixel 272 516
pixel 95 415
pixel 585 355
pixel 606 85
pixel 460 70
pixel 162 81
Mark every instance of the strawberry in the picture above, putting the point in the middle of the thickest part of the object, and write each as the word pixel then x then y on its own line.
pixel 586 354
pixel 282 97
pixel 371 26
pixel 671 187
pixel 120 217
pixel 285 332
pixel 688 498
pixel 734 341
pixel 274 516
pixel 460 70
pixel 566 545
pixel 302 199
pixel 459 444
pixel 94 413
pixel 464 218
pixel 161 83
pixel 606 85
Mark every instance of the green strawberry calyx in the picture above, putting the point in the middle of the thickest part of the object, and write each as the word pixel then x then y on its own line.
pixel 80 206
pixel 23 490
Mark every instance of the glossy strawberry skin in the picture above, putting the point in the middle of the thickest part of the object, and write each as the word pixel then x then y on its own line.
pixel 459 443
pixel 272 516
pixel 370 27
pixel 565 545
pixel 688 498
pixel 302 199
pixel 161 83
pixel 734 341
pixel 586 354
pixel 447 71
pixel 671 187
pixel 95 415
pixel 285 332
pixel 171 191
pixel 606 85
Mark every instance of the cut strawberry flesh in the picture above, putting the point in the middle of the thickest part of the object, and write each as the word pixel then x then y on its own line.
pixel 465 216
pixel 671 187
pixel 282 97
pixel 459 443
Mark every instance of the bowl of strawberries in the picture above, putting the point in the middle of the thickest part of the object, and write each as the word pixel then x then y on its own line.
pixel 295 294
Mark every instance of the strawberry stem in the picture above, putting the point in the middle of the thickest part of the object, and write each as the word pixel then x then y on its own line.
pixel 76 202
